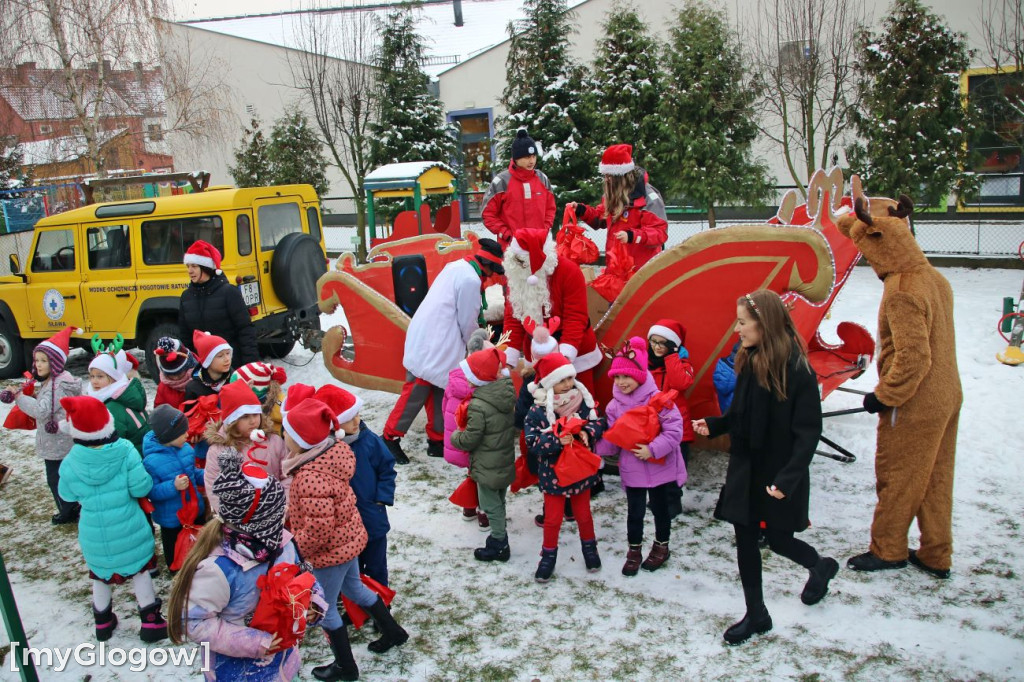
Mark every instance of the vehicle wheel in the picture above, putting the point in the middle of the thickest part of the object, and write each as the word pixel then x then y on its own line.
pixel 164 328
pixel 276 349
pixel 297 264
pixel 12 354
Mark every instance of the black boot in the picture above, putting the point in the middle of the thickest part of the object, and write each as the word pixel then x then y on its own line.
pixel 754 623
pixel 154 627
pixel 344 666
pixel 590 555
pixel 869 562
pixel 817 584
pixel 546 567
pixel 395 446
pixel 392 633
pixel 69 513
pixel 106 621
pixel 493 550
pixel 435 448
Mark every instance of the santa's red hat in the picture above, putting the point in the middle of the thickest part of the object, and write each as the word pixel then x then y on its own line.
pixel 343 404
pixel 88 418
pixel 295 395
pixel 238 400
pixel 617 160
pixel 310 423
pixel 207 346
pixel 530 243
pixel 552 368
pixel 203 254
pixel 483 366
pixel 669 329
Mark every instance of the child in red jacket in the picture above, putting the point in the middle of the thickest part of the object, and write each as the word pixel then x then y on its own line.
pixel 669 364
pixel 520 197
pixel 176 365
pixel 632 210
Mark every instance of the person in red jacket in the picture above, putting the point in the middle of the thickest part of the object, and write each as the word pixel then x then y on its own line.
pixel 520 197
pixel 543 285
pixel 175 364
pixel 631 209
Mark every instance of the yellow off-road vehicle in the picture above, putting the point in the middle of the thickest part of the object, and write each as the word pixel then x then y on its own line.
pixel 116 268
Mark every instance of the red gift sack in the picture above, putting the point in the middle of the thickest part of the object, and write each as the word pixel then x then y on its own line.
pixel 617 271
pixel 16 419
pixel 355 612
pixel 524 478
pixel 572 242
pixel 187 515
pixel 639 425
pixel 576 462
pixel 462 415
pixel 200 412
pixel 285 595
pixel 465 495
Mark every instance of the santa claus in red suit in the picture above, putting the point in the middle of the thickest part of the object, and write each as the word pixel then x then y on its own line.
pixel 541 285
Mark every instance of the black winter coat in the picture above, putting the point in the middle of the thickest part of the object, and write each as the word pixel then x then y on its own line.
pixel 773 442
pixel 217 307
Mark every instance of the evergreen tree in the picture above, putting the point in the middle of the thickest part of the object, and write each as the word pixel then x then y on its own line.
pixel 11 158
pixel 252 161
pixel 296 154
pixel 708 123
pixel 913 122
pixel 410 125
pixel 627 87
pixel 543 94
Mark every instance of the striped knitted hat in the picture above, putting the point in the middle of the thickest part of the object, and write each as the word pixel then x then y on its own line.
pixel 251 500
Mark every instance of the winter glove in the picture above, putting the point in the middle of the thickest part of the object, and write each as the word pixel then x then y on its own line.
pixel 873 405
pixel 581 209
pixel 6 396
pixel 683 353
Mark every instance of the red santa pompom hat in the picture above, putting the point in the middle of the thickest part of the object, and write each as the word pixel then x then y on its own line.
pixel 551 369
pixel 88 418
pixel 297 393
pixel 259 375
pixel 238 400
pixel 343 404
pixel 617 160
pixel 543 341
pixel 310 424
pixel 203 254
pixel 532 243
pixel 207 346
pixel 484 366
pixel 669 329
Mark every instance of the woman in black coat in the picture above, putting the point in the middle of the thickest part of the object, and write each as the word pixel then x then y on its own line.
pixel 774 423
pixel 211 304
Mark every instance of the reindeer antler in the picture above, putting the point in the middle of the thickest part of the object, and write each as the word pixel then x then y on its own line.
pixel 529 325
pixel 903 209
pixel 96 343
pixel 860 207
pixel 504 338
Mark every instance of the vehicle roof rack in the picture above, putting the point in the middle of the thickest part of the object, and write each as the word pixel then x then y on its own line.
pixel 199 180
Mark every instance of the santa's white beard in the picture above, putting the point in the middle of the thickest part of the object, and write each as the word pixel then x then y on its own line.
pixel 528 300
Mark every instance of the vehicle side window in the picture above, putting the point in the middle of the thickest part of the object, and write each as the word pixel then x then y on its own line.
pixel 55 251
pixel 243 235
pixel 109 247
pixel 165 241
pixel 313 218
pixel 277 221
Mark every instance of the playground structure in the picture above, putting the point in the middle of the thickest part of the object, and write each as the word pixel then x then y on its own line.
pixel 799 253
pixel 1012 321
pixel 413 181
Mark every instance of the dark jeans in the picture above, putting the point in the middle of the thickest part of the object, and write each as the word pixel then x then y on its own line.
pixel 373 561
pixel 636 499
pixel 168 538
pixel 53 480
pixel 748 557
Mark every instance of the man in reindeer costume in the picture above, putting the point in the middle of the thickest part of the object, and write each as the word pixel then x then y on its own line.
pixel 917 398
pixel 541 286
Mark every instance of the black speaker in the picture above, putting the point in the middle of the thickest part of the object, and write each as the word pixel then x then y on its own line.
pixel 409 275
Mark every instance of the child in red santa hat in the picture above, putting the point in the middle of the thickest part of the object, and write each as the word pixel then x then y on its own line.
pixel 266 381
pixel 669 363
pixel 214 356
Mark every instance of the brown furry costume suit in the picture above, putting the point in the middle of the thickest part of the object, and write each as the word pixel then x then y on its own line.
pixel 918 385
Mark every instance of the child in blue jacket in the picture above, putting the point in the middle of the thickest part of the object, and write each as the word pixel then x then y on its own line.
pixel 374 479
pixel 171 462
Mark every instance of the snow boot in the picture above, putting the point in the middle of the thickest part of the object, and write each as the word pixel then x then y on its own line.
pixel 752 624
pixel 469 514
pixel 344 666
pixel 493 550
pixel 546 567
pixel 590 556
pixel 435 448
pixel 154 627
pixel 392 633
pixel 482 522
pixel 633 558
pixel 658 556
pixel 869 562
pixel 817 584
pixel 395 446
pixel 936 572
pixel 106 621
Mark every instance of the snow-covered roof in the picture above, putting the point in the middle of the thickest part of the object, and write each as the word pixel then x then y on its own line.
pixel 446 45
pixel 62 149
pixel 402 171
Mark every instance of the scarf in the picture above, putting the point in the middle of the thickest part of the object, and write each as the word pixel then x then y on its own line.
pixel 108 392
pixel 567 403
pixel 249 546
pixel 351 439
pixel 175 384
pixel 206 380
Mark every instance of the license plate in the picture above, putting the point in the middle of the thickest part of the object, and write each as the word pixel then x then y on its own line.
pixel 250 293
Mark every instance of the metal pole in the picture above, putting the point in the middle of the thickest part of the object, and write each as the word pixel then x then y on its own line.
pixel 15 630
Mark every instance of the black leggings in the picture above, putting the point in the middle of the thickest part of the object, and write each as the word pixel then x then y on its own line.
pixel 636 499
pixel 53 480
pixel 748 557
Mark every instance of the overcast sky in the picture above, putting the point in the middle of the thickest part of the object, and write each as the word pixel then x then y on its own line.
pixel 197 9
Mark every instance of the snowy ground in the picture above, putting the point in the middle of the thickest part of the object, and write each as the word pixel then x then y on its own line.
pixel 483 622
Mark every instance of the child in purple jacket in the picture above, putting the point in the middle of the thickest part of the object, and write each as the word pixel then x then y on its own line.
pixel 649 469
